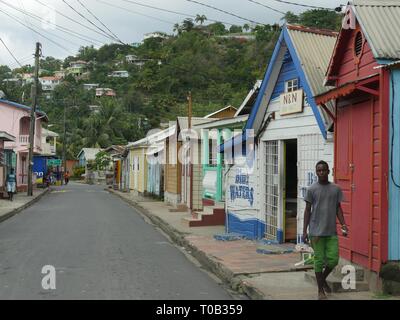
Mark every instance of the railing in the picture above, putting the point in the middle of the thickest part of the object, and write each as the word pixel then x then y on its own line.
pixel 24 139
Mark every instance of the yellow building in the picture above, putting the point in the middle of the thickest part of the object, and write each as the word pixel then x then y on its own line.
pixel 138 168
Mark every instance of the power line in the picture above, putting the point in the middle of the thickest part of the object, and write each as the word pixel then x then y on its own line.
pixel 223 11
pixel 23 8
pixel 134 12
pixel 63 29
pixel 174 12
pixel 268 7
pixel 54 35
pixel 73 20
pixel 301 5
pixel 9 51
pixel 80 14
pixel 16 19
pixel 94 16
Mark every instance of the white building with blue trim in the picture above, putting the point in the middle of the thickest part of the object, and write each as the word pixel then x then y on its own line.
pixel 265 188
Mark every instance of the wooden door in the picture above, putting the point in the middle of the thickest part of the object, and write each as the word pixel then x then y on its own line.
pixel 361 169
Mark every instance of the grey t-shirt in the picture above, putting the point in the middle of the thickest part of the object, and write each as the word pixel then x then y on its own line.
pixel 325 200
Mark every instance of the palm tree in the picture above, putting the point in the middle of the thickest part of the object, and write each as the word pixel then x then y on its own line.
pixel 187 24
pixel 177 28
pixel 246 27
pixel 200 18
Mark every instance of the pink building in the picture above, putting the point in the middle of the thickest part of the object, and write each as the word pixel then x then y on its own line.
pixel 15 120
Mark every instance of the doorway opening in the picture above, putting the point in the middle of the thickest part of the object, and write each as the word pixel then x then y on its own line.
pixel 290 194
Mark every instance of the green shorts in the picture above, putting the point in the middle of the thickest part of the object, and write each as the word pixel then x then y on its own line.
pixel 326 252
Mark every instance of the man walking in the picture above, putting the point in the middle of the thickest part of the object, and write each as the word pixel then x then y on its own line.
pixel 322 206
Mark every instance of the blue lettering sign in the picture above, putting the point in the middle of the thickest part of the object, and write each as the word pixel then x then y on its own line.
pixel 242 192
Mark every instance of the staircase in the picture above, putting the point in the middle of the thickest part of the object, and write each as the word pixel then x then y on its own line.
pixel 212 215
pixel 334 280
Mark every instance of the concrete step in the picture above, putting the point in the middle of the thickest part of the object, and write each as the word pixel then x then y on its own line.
pixel 207 210
pixel 200 219
pixel 188 221
pixel 335 282
pixel 337 272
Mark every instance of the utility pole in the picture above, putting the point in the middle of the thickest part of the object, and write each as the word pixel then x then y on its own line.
pixel 33 118
pixel 64 143
pixel 190 110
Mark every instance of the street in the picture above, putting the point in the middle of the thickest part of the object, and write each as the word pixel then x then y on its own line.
pixel 100 248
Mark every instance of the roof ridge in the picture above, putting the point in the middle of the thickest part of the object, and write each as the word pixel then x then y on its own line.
pixel 324 32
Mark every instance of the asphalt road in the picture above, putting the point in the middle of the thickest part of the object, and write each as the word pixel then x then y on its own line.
pixel 100 249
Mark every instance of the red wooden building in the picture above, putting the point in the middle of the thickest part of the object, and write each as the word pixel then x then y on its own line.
pixel 361 94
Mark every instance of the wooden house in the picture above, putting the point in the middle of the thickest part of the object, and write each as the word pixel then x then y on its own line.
pixel 363 71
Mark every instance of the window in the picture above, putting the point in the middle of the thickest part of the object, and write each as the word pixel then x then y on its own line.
pixel 212 152
pixel 358 44
pixel 291 85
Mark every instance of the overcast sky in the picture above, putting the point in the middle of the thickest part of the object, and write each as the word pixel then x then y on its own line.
pixel 125 18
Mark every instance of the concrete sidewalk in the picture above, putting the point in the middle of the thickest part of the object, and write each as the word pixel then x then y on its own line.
pixel 21 201
pixel 259 276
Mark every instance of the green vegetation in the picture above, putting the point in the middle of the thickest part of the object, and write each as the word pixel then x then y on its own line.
pixel 218 70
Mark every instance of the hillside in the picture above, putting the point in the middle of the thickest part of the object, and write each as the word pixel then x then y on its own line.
pixel 217 65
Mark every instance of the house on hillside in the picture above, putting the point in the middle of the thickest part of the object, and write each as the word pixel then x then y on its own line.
pixel 90 86
pixel 285 135
pixel 365 79
pixel 133 59
pixel 106 92
pixel 78 69
pixel 119 74
pixel 19 128
pixel 49 83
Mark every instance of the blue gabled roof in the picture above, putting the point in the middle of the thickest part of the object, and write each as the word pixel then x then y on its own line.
pixel 283 45
pixel 21 106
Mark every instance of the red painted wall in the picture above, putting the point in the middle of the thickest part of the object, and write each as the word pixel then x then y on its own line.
pixel 361 149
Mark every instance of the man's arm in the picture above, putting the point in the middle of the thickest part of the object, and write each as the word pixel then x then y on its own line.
pixel 307 215
pixel 341 219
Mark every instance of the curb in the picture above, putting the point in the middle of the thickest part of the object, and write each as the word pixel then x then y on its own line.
pixel 23 207
pixel 227 276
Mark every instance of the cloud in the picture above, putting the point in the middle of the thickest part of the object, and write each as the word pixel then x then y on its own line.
pixel 129 24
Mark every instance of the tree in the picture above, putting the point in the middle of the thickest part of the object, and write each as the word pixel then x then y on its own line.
pixel 177 28
pixel 50 64
pixel 217 28
pixel 246 27
pixel 235 29
pixel 323 19
pixel 200 18
pixel 290 17
pixel 102 160
pixel 187 25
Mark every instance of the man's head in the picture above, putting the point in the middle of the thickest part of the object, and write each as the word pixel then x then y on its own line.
pixel 322 170
pixel 12 170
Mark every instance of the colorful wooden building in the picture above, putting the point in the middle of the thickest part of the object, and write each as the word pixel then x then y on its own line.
pixel 265 186
pixel 364 73
pixel 179 189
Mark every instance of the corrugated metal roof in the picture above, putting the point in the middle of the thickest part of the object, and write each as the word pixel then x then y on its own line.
pixel 314 51
pixel 184 122
pixel 381 25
